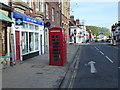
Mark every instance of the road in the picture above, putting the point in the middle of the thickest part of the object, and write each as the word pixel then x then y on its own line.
pixel 106 65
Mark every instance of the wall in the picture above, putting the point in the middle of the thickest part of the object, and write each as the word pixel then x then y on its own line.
pixel 56 7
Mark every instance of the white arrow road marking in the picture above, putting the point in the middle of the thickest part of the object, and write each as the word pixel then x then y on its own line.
pixel 101 52
pixel 92 67
pixel 109 59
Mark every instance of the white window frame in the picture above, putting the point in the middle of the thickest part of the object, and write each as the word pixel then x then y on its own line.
pixel 53 14
pixel 37 5
pixel 47 11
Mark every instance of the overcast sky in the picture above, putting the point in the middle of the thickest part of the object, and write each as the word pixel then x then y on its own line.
pixel 102 14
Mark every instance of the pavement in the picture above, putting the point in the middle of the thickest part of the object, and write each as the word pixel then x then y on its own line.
pixel 37 73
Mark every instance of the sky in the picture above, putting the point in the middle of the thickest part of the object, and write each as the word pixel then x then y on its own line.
pixel 102 14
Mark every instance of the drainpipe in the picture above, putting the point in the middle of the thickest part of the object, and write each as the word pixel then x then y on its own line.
pixel 60 14
pixel 10 44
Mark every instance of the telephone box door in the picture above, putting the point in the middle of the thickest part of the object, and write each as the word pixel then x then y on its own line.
pixel 55 57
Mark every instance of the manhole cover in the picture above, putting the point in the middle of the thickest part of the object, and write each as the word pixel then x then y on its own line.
pixel 37 66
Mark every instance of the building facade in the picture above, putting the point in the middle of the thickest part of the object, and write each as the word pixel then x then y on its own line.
pixel 5 27
pixel 52 14
pixel 78 33
pixel 66 16
pixel 27 29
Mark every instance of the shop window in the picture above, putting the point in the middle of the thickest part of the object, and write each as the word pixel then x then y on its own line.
pixel 25 25
pixel 36 41
pixel 31 41
pixel 24 42
pixel 36 27
pixel 31 26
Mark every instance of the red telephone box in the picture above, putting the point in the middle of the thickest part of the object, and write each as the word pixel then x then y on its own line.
pixel 57 46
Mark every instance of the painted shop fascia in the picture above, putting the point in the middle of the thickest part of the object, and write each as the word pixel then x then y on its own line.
pixel 28 37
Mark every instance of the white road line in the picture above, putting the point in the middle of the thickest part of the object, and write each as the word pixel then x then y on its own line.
pixel 72 79
pixel 101 52
pixel 96 48
pixel 77 63
pixel 109 59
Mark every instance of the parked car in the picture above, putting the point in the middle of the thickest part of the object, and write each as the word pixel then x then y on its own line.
pixel 96 40
pixel 102 40
pixel 108 40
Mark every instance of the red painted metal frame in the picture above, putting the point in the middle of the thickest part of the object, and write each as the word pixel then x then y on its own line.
pixel 57 46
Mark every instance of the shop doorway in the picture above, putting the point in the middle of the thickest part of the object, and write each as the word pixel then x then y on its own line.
pixel 17 37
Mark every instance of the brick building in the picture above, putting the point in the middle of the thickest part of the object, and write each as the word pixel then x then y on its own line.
pixel 52 14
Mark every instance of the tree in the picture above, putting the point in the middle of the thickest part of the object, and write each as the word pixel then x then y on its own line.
pixel 99 30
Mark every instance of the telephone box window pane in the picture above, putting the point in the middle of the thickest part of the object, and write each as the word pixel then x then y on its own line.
pixel 56 43
pixel 56 59
pixel 55 49
pixel 56 53
pixel 55 46
pixel 56 56
pixel 55 36
pixel 55 39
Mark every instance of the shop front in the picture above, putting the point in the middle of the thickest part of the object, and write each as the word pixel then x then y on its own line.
pixel 5 22
pixel 28 36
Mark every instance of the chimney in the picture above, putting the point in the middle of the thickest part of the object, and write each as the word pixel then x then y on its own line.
pixel 72 18
pixel 77 21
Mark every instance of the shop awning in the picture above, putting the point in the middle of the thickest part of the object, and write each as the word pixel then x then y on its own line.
pixel 3 17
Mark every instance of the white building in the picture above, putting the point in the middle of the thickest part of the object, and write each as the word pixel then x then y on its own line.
pixel 81 34
pixel 28 38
